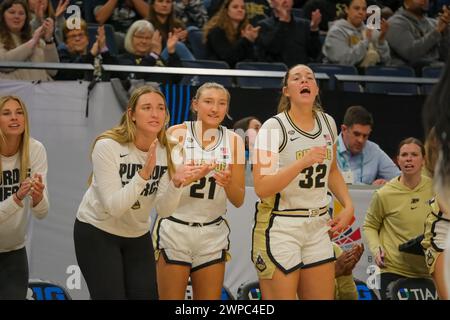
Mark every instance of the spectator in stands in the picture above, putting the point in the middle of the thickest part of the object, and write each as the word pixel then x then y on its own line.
pixel 76 51
pixel 229 36
pixel 120 14
pixel 23 168
pixel 162 16
pixel 288 39
pixel 248 128
pixel 18 44
pixel 415 39
pixel 437 225
pixel 327 9
pixel 191 12
pixel 257 10
pixel 42 9
pixel 144 48
pixel 360 160
pixel 350 42
pixel 396 214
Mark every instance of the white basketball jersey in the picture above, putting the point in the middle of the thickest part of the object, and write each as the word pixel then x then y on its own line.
pixel 309 189
pixel 204 200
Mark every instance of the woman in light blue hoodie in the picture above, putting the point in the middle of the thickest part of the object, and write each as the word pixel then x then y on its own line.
pixel 350 42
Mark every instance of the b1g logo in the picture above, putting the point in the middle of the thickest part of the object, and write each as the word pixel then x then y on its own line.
pixel 41 290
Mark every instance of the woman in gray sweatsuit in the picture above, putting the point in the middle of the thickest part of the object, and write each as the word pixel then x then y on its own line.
pixel 350 42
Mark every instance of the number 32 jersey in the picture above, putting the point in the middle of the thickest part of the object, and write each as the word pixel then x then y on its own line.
pixel 309 189
pixel 204 200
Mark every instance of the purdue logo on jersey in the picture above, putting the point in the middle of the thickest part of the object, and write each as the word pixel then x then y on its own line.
pixel 220 166
pixel 259 263
pixel 301 153
pixel 430 258
pixel 136 205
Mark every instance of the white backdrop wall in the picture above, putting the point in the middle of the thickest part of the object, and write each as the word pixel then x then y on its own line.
pixel 57 119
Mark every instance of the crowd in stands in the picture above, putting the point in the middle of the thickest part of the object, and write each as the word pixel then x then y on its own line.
pixel 156 32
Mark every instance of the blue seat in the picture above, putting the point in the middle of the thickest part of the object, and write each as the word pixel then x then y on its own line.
pixel 332 69
pixel 109 34
pixel 195 38
pixel 391 88
pixel 207 64
pixel 249 291
pixel 260 82
pixel 430 72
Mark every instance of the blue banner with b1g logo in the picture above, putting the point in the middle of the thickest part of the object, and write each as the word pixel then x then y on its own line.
pixel 44 290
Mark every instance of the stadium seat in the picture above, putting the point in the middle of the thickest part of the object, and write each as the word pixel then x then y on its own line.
pixel 208 64
pixel 332 69
pixel 430 72
pixel 260 82
pixel 110 38
pixel 412 289
pixel 195 38
pixel 391 88
pixel 249 291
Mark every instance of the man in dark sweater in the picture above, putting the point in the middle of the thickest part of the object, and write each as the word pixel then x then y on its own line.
pixel 288 39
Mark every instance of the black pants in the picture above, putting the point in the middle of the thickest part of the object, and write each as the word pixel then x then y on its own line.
pixel 385 279
pixel 115 267
pixel 14 275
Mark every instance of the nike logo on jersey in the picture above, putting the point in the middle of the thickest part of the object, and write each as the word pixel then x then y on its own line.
pixel 123 155
pixel 293 139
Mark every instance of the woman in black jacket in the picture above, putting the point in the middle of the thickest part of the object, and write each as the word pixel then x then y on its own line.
pixel 143 47
pixel 229 36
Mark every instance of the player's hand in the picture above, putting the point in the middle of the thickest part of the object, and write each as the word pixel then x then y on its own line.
pixel 314 155
pixel 379 258
pixel 341 221
pixel 187 173
pixel 150 163
pixel 223 177
pixel 37 189
pixel 24 190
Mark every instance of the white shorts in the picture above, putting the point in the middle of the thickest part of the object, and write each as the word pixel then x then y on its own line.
pixel 195 245
pixel 291 243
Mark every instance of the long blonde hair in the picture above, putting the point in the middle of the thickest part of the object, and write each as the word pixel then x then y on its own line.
pixel 125 132
pixel 24 146
pixel 285 103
